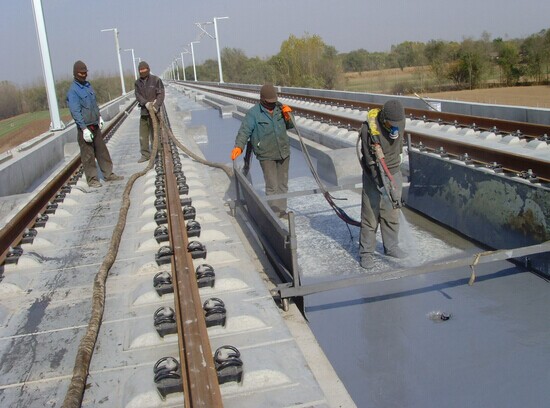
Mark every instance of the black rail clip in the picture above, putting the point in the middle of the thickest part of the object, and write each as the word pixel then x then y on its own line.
pixel 161 217
pixel 205 276
pixel 466 158
pixel 228 363
pixel 29 236
pixel 167 375
pixel 160 203
pixel 185 201
pixel 164 255
pixel 73 180
pixel 196 249
pixel 183 188
pixel 50 208
pixel 529 175
pixel 164 320
pixel 193 228
pixel 59 197
pixel 189 212
pixel 13 255
pixel 162 282
pixel 160 192
pixel 496 167
pixel 214 312
pixel 161 233
pixel 181 179
pixel 41 220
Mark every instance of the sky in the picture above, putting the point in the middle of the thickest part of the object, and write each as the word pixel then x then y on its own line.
pixel 159 30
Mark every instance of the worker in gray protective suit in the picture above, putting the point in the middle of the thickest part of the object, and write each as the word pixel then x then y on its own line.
pixel 382 148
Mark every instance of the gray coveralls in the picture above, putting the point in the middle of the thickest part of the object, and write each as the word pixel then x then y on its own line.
pixel 376 208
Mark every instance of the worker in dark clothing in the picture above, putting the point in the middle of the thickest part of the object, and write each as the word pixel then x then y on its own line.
pixel 382 148
pixel 149 91
pixel 82 104
pixel 265 125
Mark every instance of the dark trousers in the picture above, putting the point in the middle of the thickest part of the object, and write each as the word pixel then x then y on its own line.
pixel 145 136
pixel 276 181
pixel 90 152
pixel 376 209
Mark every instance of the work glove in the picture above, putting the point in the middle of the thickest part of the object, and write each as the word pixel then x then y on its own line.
pixel 236 152
pixel 87 135
pixel 101 123
pixel 151 105
pixel 286 112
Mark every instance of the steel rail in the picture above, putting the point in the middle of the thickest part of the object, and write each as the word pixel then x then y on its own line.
pixel 510 162
pixel 200 382
pixel 522 129
pixel 12 232
pixel 528 130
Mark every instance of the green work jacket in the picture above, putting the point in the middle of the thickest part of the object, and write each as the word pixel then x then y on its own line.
pixel 266 132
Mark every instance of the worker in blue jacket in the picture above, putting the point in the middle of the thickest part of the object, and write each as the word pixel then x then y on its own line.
pixel 82 104
pixel 265 126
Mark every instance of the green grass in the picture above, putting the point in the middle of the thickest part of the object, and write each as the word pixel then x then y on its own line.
pixel 18 122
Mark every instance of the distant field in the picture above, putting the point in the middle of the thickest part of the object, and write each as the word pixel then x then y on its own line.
pixel 387 80
pixel 535 96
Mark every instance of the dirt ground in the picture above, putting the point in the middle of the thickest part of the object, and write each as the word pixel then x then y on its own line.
pixel 535 96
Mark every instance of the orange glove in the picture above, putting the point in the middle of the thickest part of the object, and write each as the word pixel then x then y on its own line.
pixel 286 112
pixel 236 152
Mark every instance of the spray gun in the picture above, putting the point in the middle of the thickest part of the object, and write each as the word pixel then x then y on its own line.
pixel 388 182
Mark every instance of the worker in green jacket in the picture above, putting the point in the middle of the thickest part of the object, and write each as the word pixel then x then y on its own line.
pixel 265 126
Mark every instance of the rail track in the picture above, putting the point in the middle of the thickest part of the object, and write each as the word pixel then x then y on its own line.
pixel 200 382
pixel 196 372
pixel 199 377
pixel 36 211
pixel 527 167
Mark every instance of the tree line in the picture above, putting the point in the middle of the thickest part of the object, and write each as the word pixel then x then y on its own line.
pixel 310 62
pixel 15 100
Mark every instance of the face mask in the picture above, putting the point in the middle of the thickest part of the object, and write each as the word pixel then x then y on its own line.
pixel 81 76
pixel 393 131
pixel 268 105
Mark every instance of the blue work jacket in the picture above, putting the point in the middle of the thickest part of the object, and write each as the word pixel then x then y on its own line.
pixel 83 104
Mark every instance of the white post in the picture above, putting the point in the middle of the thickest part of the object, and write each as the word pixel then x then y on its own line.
pixel 118 56
pixel 193 56
pixel 218 45
pixel 183 67
pixel 133 61
pixel 47 66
